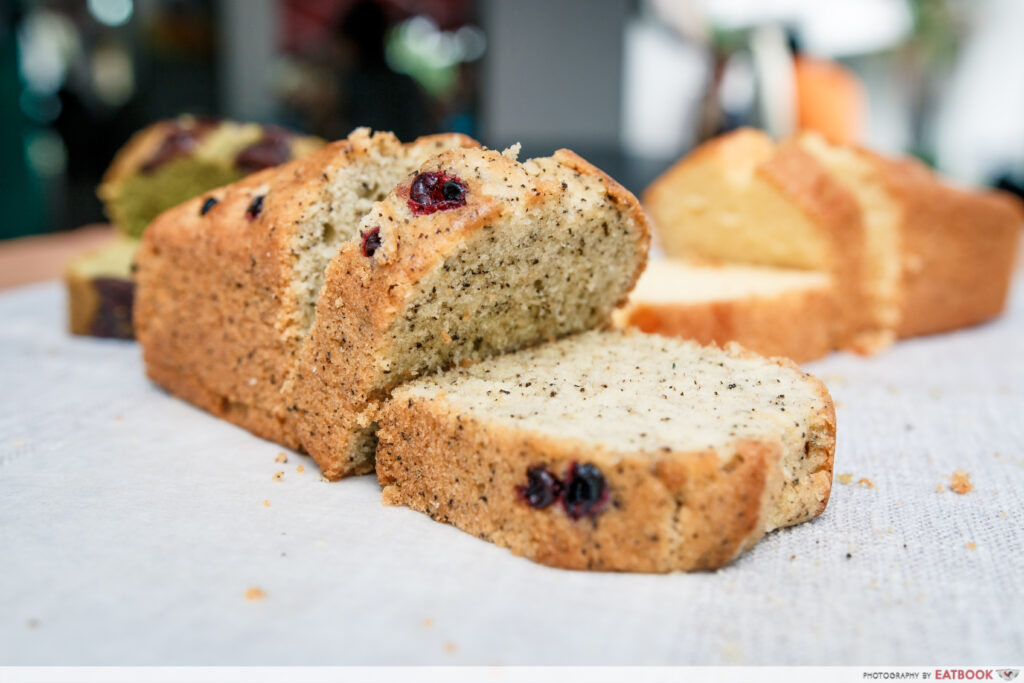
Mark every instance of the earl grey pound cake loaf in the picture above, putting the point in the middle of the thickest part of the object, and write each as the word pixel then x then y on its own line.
pixel 228 281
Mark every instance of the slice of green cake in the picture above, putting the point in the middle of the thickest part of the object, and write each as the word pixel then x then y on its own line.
pixel 172 161
pixel 101 290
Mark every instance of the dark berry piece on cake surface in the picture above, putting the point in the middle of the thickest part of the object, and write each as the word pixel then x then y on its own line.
pixel 207 205
pixel 371 241
pixel 585 491
pixel 436 191
pixel 542 489
pixel 255 208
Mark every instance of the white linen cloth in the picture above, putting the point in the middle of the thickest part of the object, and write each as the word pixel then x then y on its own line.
pixel 132 526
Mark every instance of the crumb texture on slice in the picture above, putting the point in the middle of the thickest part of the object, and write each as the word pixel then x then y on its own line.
pixel 618 451
pixel 772 311
pixel 519 254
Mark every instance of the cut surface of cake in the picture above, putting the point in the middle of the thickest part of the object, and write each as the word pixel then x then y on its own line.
pixel 472 255
pixel 613 451
pixel 772 311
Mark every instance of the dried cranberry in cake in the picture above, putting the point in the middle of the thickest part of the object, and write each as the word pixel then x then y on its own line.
pixel 542 488
pixel 371 241
pixel 585 491
pixel 436 191
pixel 255 208
pixel 272 149
pixel 207 205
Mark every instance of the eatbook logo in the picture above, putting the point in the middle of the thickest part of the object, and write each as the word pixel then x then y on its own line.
pixel 1008 674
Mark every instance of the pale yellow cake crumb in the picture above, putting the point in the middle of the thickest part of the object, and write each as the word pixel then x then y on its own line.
pixel 300 469
pixel 278 476
pixel 960 482
pixel 281 457
pixel 971 546
pixel 266 503
pixel 255 593
pixel 845 478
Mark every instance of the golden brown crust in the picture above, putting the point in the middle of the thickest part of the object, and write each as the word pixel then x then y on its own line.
pixel 667 511
pixel 795 324
pixel 958 249
pixel 345 365
pixel 215 307
pixel 835 211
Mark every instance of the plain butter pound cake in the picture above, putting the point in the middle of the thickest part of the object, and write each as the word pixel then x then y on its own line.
pixel 227 282
pixel 472 255
pixel 613 451
pixel 772 311
pixel 909 254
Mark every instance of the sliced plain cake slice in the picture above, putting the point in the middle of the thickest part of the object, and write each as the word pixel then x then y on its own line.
pixel 613 451
pixel 227 282
pixel 772 311
pixel 474 254
pixel 742 198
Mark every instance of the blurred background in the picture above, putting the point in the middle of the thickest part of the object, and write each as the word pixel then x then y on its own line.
pixel 630 84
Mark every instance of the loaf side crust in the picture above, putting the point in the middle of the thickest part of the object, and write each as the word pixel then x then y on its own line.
pixel 215 306
pixel 959 248
pixel 794 324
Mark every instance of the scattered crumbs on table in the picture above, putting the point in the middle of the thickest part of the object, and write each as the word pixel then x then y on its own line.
pixel 281 457
pixel 960 482
pixel 971 546
pixel 278 476
pixel 266 503
pixel 300 469
pixel 428 623
pixel 18 443
pixel 119 418
pixel 254 594
pixel 847 479
pixel 935 392
pixel 323 478
pixel 849 555
pixel 895 390
pixel 792 558
pixel 449 647
pixel 32 623
pixel 940 488
pixel 1003 515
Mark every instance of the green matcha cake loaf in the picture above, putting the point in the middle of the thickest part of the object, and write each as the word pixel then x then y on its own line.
pixel 161 166
pixel 172 161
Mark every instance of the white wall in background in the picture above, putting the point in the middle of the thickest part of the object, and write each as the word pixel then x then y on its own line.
pixel 247 46
pixel 663 82
pixel 553 70
pixel 979 130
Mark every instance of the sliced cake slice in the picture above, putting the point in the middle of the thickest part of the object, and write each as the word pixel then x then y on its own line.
pixel 772 311
pixel 742 198
pixel 101 290
pixel 613 451
pixel 227 282
pixel 472 255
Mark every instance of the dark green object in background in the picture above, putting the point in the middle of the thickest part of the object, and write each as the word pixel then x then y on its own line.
pixel 20 194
